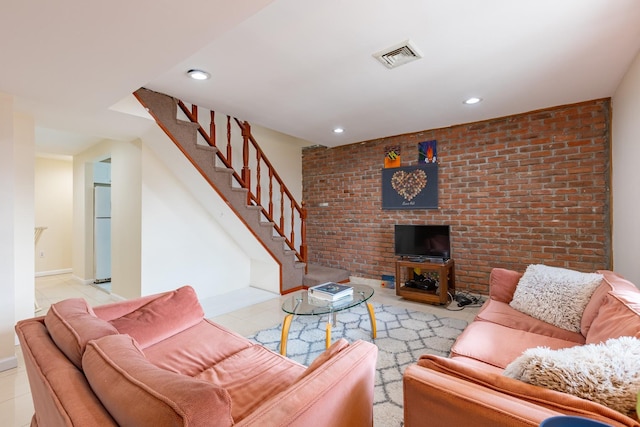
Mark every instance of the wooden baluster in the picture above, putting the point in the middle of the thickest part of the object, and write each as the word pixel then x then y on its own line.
pixel 212 128
pixel 258 186
pixel 293 217
pixel 246 171
pixel 303 235
pixel 229 160
pixel 282 209
pixel 271 192
pixel 194 116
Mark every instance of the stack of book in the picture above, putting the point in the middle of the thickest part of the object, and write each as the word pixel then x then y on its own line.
pixel 330 291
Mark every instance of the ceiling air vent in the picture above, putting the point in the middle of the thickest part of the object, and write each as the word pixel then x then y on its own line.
pixel 398 54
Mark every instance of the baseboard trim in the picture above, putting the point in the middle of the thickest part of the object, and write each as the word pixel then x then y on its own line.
pixel 83 281
pixel 53 272
pixel 8 363
pixel 374 283
pixel 118 297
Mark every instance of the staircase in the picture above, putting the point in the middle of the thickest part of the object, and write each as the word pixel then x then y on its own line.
pixel 258 197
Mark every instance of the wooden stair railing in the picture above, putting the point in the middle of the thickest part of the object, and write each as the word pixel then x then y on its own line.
pixel 289 215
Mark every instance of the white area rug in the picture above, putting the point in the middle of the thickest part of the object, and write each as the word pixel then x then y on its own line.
pixel 403 335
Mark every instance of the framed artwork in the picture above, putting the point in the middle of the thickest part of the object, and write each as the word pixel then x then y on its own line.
pixel 427 152
pixel 392 156
pixel 410 187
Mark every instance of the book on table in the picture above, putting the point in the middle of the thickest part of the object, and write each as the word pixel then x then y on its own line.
pixel 330 291
pixel 326 303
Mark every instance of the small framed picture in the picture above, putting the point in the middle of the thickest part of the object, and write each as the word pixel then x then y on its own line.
pixel 427 152
pixel 392 156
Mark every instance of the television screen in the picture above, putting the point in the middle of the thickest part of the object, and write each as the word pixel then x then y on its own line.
pixel 422 241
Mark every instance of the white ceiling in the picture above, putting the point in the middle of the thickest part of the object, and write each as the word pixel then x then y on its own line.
pixel 303 67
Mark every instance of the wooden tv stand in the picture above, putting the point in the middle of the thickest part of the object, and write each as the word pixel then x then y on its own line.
pixel 446 285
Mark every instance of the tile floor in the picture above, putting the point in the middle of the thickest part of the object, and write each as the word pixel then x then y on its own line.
pixel 16 407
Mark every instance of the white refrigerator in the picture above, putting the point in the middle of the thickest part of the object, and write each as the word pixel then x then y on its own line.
pixel 102 233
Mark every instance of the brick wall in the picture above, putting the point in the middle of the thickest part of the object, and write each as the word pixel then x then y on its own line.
pixel 517 190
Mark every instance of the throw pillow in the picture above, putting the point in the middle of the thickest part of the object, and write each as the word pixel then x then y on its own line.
pixel 607 373
pixel 72 324
pixel 618 316
pixel 555 295
pixel 161 318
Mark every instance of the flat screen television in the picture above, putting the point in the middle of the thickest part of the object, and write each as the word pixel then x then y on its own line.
pixel 422 241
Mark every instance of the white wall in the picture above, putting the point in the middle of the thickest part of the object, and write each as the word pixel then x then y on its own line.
pixel 7 220
pixel 16 225
pixel 24 159
pixel 54 210
pixel 182 242
pixel 126 226
pixel 626 174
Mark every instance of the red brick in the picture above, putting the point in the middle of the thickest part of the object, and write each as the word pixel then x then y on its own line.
pixel 530 188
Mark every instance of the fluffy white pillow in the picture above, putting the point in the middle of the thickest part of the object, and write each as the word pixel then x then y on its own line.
pixel 555 295
pixel 606 373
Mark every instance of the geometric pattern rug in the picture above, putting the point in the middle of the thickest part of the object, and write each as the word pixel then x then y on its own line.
pixel 403 336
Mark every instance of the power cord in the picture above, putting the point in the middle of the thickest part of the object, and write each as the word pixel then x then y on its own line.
pixel 464 299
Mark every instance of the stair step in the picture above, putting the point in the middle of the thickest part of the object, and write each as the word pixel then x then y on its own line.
pixel 223 169
pixel 207 148
pixel 317 274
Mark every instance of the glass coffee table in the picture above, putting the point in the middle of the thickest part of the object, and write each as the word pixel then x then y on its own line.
pixel 301 304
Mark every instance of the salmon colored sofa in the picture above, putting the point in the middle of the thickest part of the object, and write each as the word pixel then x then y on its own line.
pixel 156 361
pixel 470 389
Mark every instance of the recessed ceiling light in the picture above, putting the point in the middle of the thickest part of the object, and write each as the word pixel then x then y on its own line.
pixel 198 74
pixel 472 100
pixel 338 130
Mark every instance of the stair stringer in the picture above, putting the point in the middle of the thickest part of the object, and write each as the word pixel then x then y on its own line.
pixel 203 157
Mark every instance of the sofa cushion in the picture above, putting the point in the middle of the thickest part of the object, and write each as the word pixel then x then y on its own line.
pixel 170 313
pixel 251 377
pixel 505 315
pixel 493 383
pixel 499 345
pixel 611 281
pixel 72 324
pixel 618 316
pixel 138 393
pixel 606 373
pixel 502 284
pixel 555 295
pixel 196 349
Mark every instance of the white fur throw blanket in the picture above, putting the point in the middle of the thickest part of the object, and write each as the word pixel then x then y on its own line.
pixel 606 373
pixel 555 295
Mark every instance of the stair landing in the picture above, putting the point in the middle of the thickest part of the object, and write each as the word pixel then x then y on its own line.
pixel 317 274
